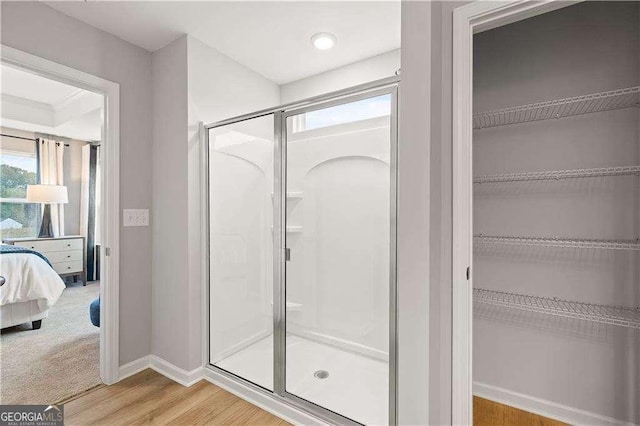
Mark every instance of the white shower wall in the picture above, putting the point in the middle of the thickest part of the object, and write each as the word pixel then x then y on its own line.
pixel 339 267
pixel 338 276
pixel 241 261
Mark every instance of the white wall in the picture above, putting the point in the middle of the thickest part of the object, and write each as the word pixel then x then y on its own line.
pixel 192 83
pixel 219 88
pixel 78 45
pixel 339 264
pixel 581 49
pixel 241 188
pixel 374 68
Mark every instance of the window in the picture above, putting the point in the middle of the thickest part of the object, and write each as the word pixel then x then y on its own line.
pixel 18 218
pixel 364 109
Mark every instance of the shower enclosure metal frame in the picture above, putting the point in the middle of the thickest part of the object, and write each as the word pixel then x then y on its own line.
pixel 387 86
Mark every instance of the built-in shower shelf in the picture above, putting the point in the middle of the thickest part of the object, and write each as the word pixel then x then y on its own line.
pixel 616 315
pixel 293 306
pixel 560 242
pixel 293 195
pixel 559 108
pixel 559 174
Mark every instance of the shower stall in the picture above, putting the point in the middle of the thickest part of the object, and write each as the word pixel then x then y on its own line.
pixel 302 252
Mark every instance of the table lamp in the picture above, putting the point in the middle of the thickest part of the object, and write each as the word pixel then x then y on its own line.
pixel 47 195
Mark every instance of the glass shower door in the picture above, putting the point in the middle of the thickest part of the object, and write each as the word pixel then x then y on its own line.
pixel 339 234
pixel 241 182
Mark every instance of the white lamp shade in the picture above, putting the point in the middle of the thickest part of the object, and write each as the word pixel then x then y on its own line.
pixel 47 194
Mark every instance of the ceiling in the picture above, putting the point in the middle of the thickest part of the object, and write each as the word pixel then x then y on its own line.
pixel 272 38
pixel 38 104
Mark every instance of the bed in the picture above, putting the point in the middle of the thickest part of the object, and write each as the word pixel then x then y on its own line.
pixel 29 286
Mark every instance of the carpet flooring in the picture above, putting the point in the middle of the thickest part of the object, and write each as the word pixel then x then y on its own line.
pixel 59 360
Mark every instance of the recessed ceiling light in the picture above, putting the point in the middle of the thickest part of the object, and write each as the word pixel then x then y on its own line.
pixel 323 41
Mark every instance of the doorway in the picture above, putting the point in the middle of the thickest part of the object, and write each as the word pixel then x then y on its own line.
pixel 107 256
pixel 536 265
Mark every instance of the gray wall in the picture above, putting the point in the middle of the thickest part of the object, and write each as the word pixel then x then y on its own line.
pixel 40 30
pixel 170 325
pixel 581 49
pixel 413 215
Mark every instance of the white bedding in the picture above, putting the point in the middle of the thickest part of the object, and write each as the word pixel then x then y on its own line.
pixel 28 277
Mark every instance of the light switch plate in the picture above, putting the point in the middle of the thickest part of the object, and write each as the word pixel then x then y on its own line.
pixel 135 217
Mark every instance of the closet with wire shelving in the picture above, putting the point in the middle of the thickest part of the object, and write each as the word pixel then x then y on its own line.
pixel 556 213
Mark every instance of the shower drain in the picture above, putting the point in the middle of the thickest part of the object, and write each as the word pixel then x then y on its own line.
pixel 321 374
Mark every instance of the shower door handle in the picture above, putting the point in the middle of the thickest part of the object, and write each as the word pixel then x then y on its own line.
pixel 287 254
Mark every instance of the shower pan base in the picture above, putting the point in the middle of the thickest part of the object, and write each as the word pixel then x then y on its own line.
pixel 364 379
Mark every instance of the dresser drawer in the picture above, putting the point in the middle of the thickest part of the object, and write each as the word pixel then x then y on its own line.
pixel 44 246
pixel 68 267
pixel 64 256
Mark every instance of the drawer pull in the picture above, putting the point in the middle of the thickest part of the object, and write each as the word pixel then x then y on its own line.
pixel 68 267
pixel 32 247
pixel 68 256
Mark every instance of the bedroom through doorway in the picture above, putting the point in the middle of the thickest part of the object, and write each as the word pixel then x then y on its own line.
pixel 51 223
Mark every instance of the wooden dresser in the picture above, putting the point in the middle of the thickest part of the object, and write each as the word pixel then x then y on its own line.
pixel 66 254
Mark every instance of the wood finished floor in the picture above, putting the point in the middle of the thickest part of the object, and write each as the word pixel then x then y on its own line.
pixel 150 398
pixel 489 413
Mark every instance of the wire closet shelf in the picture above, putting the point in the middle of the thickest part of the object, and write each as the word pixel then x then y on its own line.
pixel 559 174
pixel 616 315
pixel 559 108
pixel 559 242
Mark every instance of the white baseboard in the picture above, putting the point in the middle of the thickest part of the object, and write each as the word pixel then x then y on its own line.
pixel 133 367
pixel 543 407
pixel 259 399
pixel 177 374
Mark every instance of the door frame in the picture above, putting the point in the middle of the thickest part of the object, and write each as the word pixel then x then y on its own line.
pixel 468 20
pixel 242 386
pixel 110 255
pixel 280 264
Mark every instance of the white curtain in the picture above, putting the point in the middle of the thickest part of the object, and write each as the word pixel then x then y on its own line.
pixel 52 173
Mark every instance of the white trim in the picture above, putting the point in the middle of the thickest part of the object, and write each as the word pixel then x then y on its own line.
pixel 472 18
pixel 543 407
pixel 175 373
pixel 266 402
pixel 161 366
pixel 109 290
pixel 134 367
